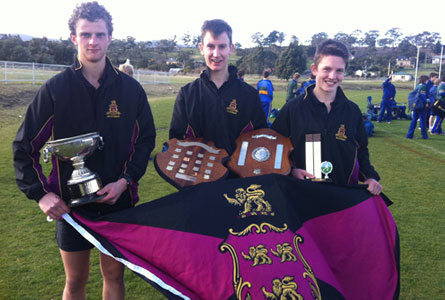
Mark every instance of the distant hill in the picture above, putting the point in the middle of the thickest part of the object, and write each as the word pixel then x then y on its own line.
pixel 25 37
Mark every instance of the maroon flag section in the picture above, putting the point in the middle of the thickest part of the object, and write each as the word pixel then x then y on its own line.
pixel 265 237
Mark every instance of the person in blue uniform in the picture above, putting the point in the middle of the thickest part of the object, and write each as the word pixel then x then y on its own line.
pixel 90 96
pixel 309 82
pixel 388 100
pixel 430 100
pixel 265 90
pixel 419 114
pixel 326 110
pixel 440 95
pixel 217 106
pixel 301 89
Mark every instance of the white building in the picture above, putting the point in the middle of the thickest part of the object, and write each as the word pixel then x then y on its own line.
pixel 404 62
pixel 436 60
pixel 402 76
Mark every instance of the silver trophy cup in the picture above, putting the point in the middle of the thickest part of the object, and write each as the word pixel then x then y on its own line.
pixel 83 183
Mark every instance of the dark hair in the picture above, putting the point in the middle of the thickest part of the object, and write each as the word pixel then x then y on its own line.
pixel 91 11
pixel 216 27
pixel 423 78
pixel 241 73
pixel 442 78
pixel 266 74
pixel 432 74
pixel 334 48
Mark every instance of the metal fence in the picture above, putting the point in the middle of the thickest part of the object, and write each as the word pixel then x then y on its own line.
pixel 152 77
pixel 12 71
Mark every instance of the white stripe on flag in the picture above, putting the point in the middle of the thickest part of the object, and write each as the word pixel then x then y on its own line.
pixel 131 266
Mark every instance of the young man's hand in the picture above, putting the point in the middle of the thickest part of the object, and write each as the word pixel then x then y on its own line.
pixel 301 174
pixel 53 206
pixel 374 187
pixel 112 191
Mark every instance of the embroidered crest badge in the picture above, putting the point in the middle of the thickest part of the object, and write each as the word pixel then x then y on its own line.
pixel 232 109
pixel 113 111
pixel 341 133
pixel 268 263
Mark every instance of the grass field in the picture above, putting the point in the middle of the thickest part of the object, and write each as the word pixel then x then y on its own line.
pixel 412 171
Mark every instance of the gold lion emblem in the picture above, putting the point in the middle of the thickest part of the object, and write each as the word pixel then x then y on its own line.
pixel 252 199
pixel 258 255
pixel 283 289
pixel 285 252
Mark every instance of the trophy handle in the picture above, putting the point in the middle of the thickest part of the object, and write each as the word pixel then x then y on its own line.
pixel 100 143
pixel 46 151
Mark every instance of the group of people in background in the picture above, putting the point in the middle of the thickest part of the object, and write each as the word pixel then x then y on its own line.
pixel 431 91
pixel 265 89
pixel 294 89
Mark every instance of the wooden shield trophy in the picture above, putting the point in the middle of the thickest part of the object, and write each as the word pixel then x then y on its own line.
pixel 191 161
pixel 259 152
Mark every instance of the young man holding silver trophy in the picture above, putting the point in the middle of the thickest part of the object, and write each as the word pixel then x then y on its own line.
pixel 91 96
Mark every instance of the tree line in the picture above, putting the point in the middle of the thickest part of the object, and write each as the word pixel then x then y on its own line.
pixel 370 50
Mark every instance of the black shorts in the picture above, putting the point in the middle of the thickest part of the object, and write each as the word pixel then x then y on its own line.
pixel 68 239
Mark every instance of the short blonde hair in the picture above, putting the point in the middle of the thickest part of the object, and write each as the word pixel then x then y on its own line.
pixel 128 69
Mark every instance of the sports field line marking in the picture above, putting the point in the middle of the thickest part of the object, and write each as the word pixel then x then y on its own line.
pixel 413 141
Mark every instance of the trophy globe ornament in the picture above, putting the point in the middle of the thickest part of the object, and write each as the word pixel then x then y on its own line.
pixel 326 169
pixel 83 183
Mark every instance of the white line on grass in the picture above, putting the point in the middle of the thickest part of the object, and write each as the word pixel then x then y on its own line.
pixel 413 141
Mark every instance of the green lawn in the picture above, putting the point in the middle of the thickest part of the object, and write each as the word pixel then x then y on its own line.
pixel 412 171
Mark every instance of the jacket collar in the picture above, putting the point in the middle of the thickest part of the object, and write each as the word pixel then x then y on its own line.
pixel 232 73
pixel 340 96
pixel 109 75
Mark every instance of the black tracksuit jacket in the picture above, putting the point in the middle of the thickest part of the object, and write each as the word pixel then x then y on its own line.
pixel 67 105
pixel 219 115
pixel 343 137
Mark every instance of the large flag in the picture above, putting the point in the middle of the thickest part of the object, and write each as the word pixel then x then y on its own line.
pixel 265 237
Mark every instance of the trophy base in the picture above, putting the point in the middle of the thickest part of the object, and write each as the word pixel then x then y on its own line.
pixel 321 179
pixel 91 198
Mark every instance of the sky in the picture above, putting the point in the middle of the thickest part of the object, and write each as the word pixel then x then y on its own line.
pixel 163 19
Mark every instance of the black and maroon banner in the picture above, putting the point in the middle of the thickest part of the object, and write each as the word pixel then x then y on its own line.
pixel 265 237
